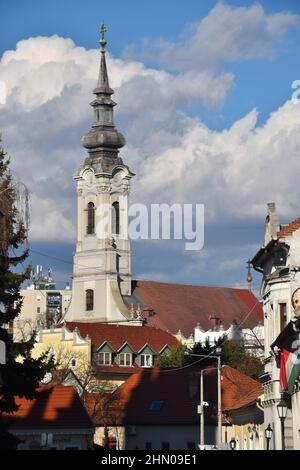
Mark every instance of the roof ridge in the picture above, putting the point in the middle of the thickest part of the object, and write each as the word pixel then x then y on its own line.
pixel 192 285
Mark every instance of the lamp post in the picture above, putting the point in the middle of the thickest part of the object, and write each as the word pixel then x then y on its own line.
pixel 282 412
pixel 232 443
pixel 268 435
pixel 201 409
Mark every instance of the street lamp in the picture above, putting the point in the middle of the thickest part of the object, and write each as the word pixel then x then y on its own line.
pixel 282 412
pixel 268 435
pixel 201 409
pixel 232 443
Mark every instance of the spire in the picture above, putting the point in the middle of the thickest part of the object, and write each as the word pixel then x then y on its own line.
pixel 103 136
pixel 103 83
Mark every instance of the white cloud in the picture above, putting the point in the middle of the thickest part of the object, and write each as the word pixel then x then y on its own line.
pixel 226 34
pixel 235 171
pixel 176 158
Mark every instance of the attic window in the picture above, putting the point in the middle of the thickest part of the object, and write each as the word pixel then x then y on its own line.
pixel 146 360
pixel 104 358
pixel 156 405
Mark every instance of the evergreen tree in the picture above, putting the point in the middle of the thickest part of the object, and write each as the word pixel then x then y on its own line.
pixel 20 375
pixel 176 357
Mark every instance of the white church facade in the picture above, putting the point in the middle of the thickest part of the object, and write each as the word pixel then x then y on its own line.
pixel 102 262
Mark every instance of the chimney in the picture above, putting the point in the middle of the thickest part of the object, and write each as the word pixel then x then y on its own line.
pixel 271 224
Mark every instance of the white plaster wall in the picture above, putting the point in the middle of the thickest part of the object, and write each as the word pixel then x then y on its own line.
pixel 296 419
pixel 177 436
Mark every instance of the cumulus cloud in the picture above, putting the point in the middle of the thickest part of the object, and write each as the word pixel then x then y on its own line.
pixel 49 84
pixel 177 158
pixel 226 34
pixel 233 172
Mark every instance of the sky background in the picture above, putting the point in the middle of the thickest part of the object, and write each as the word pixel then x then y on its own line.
pixel 204 100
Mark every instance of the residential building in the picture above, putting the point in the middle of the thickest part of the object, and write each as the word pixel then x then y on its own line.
pixel 157 410
pixel 278 260
pixel 43 304
pixel 115 351
pixel 55 419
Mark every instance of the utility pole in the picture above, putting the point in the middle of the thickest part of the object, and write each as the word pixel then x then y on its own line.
pixel 201 408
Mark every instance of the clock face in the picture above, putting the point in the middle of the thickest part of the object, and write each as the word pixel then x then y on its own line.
pixel 47 378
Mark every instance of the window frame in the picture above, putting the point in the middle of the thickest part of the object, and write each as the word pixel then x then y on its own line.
pixel 89 302
pixel 115 218
pixel 130 359
pixel 142 359
pixel 90 228
pixel 105 363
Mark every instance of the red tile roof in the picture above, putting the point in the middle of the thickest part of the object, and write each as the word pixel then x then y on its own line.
pixel 56 408
pixel 118 335
pixel 289 229
pixel 179 392
pixel 238 389
pixel 179 306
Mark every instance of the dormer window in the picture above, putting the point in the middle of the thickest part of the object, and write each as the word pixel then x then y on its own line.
pixel 104 358
pixel 146 360
pixel 125 359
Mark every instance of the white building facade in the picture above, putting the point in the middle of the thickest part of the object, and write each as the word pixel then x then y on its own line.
pixel 279 263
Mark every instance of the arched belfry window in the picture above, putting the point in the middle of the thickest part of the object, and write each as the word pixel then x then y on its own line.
pixel 115 218
pixel 90 229
pixel 89 299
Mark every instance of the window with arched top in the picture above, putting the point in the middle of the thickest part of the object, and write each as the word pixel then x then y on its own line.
pixel 90 218
pixel 89 299
pixel 115 219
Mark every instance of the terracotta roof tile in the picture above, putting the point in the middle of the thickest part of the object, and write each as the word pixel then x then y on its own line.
pixel 178 390
pixel 118 335
pixel 59 407
pixel 179 306
pixel 238 389
pixel 289 229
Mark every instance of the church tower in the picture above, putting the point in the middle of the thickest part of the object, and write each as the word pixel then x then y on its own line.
pixel 102 262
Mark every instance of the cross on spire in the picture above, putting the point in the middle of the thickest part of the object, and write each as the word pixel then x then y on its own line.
pixel 103 40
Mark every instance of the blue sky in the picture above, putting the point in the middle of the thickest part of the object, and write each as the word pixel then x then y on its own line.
pixel 151 33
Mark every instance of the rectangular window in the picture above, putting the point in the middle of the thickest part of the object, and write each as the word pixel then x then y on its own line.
pixel 165 445
pixel 148 445
pixel 104 359
pixel 125 359
pixel 38 310
pixel 283 316
pixel 146 360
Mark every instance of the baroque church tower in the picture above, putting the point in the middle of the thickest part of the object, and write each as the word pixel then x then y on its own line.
pixel 102 262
